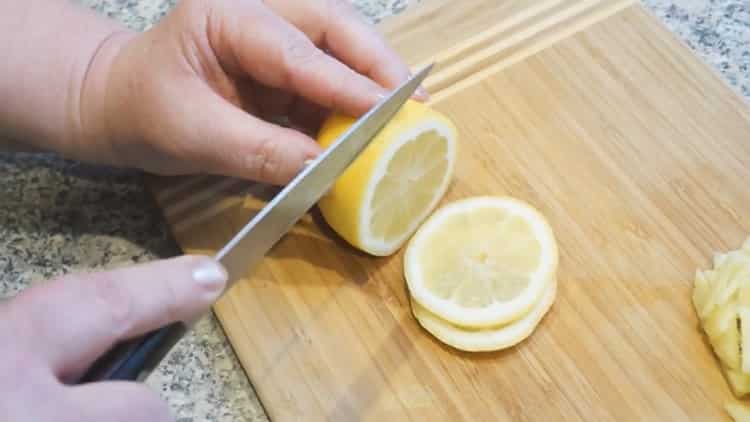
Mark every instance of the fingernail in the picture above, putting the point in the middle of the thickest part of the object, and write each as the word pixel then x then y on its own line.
pixel 210 273
pixel 308 162
pixel 422 93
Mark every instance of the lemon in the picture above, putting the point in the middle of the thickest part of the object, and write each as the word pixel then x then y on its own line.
pixel 481 261
pixel 487 338
pixel 381 199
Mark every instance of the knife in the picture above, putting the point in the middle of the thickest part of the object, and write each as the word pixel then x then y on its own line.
pixel 136 358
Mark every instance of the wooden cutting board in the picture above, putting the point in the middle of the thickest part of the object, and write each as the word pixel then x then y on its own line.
pixel 593 112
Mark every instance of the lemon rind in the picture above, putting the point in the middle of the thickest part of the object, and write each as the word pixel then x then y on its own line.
pixel 491 338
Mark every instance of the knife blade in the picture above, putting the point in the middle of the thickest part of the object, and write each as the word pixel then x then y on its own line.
pixel 253 241
pixel 135 359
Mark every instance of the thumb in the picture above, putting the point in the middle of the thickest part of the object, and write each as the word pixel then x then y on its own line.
pixel 78 317
pixel 232 142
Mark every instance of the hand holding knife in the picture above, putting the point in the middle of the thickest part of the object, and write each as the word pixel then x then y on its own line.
pixel 136 358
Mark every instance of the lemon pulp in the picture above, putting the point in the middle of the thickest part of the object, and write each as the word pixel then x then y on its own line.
pixel 414 175
pixel 481 261
pixel 381 199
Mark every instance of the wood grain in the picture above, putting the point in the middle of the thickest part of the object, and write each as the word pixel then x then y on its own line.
pixel 637 153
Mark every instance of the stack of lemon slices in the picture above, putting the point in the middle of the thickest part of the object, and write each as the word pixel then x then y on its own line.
pixel 481 271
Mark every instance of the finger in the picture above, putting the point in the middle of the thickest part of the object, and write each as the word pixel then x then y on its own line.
pixel 277 105
pixel 354 41
pixel 266 47
pixel 307 116
pixel 246 88
pixel 338 27
pixel 273 102
pixel 223 139
pixel 116 401
pixel 78 317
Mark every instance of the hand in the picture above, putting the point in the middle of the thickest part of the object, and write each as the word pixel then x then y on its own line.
pixel 53 332
pixel 201 90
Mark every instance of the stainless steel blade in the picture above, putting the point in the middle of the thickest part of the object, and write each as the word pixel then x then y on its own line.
pixel 243 252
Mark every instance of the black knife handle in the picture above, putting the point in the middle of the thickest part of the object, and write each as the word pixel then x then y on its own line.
pixel 134 359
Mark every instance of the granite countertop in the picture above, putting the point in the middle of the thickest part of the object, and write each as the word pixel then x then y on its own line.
pixel 58 216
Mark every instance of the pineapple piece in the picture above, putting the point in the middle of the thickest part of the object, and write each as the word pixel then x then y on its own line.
pixel 736 271
pixel 738 381
pixel 721 320
pixel 720 285
pixel 721 297
pixel 739 412
pixel 727 348
pixel 744 314
pixel 701 291
pixel 724 281
pixel 713 286
pixel 743 295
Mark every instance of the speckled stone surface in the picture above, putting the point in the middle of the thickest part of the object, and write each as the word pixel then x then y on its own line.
pixel 58 216
pixel 717 30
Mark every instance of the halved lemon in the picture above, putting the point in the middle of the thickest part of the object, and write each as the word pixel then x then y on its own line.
pixel 481 261
pixel 488 338
pixel 381 199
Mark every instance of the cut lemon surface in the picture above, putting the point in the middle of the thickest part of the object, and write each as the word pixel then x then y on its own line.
pixel 481 261
pixel 381 199
pixel 487 338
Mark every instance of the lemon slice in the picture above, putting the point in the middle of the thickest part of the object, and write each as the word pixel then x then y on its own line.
pixel 381 199
pixel 481 261
pixel 488 338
